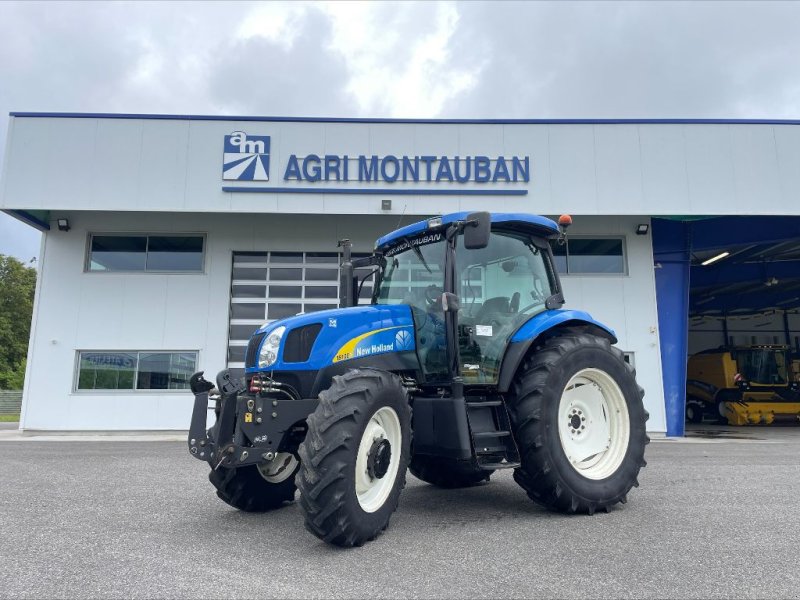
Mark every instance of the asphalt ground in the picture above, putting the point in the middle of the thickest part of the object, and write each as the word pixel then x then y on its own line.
pixel 715 516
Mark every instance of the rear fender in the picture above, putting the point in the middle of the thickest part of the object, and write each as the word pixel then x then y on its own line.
pixel 540 327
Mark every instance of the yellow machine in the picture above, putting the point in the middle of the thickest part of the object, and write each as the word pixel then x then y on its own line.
pixel 742 385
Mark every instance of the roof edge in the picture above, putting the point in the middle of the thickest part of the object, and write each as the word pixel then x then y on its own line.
pixel 166 117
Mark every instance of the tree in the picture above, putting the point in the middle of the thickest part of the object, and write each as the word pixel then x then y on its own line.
pixel 17 288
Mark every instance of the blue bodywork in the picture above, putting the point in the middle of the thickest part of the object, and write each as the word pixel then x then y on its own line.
pixel 370 330
pixel 548 319
pixel 541 225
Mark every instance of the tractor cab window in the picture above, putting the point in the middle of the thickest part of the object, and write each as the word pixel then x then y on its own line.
pixel 500 287
pixel 414 276
pixel 765 366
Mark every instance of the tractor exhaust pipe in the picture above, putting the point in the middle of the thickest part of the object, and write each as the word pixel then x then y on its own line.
pixel 346 285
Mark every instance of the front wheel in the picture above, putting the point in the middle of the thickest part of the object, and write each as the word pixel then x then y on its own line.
pixel 354 457
pixel 579 421
pixel 257 488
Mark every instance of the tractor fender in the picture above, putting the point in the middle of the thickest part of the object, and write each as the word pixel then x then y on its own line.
pixel 540 327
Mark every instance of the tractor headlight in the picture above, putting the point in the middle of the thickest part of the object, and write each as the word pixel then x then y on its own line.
pixel 269 349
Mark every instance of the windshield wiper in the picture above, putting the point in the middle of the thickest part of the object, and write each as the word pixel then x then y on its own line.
pixel 418 252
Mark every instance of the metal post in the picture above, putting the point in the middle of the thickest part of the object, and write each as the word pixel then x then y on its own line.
pixel 671 253
pixel 725 336
pixel 786 328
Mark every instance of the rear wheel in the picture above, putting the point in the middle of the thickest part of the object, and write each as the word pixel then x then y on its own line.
pixel 257 488
pixel 445 473
pixel 354 457
pixel 579 421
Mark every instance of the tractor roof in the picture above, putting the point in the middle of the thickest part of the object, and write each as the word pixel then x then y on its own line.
pixel 523 222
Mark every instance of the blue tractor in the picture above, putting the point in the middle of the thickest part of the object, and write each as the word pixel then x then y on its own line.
pixel 464 363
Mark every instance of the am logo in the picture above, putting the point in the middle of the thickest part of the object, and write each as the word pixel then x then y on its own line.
pixel 245 158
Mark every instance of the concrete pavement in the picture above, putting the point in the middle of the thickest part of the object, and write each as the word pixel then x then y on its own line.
pixel 713 518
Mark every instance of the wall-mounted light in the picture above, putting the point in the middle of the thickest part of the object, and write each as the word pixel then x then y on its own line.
pixel 642 228
pixel 386 205
pixel 63 224
pixel 714 259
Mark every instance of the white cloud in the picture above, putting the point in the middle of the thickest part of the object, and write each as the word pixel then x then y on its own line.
pixel 399 56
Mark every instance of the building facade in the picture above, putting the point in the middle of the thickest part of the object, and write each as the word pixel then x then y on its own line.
pixel 168 239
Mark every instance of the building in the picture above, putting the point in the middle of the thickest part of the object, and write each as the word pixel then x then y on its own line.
pixel 168 239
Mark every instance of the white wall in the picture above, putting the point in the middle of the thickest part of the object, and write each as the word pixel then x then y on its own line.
pixel 108 311
pixel 590 169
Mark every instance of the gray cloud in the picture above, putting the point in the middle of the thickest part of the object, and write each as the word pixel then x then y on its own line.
pixel 514 60
pixel 650 60
pixel 263 77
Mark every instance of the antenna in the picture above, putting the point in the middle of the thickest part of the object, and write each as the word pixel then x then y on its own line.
pixel 402 214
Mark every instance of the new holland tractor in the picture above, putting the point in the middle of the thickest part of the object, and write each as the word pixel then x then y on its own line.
pixel 463 364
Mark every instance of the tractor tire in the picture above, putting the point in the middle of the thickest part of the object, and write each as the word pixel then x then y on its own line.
pixel 694 411
pixel 578 418
pixel 354 457
pixel 255 488
pixel 445 473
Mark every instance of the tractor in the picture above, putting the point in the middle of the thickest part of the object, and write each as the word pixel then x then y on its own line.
pixel 464 363
pixel 742 385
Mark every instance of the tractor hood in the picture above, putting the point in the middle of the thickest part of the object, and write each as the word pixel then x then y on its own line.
pixel 316 340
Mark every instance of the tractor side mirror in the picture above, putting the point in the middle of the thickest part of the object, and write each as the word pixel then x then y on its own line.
pixel 476 231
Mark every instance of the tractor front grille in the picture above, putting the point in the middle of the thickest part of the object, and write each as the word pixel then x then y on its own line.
pixel 299 343
pixel 251 358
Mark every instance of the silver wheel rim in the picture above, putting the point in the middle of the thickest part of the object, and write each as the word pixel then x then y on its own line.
pixel 593 424
pixel 279 469
pixel 372 492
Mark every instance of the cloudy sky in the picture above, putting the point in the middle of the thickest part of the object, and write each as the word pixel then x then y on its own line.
pixel 408 59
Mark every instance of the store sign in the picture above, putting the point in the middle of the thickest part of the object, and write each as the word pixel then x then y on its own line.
pixel 246 158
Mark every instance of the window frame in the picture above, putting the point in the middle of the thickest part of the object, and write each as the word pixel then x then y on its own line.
pixel 625 269
pixel 134 390
pixel 87 264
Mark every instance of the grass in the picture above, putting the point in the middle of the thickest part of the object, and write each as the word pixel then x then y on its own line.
pixel 9 418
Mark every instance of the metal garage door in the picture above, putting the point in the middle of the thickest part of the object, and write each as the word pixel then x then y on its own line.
pixel 272 285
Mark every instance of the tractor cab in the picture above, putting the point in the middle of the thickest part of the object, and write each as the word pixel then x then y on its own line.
pixel 497 287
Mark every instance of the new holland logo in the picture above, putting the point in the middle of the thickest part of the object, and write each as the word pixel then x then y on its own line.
pixel 246 158
pixel 403 340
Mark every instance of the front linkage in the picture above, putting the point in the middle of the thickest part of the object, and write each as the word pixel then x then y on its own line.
pixel 250 428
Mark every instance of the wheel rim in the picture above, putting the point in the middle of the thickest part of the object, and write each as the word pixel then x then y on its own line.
pixel 378 459
pixel 279 469
pixel 593 424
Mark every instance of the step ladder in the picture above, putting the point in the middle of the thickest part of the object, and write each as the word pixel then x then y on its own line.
pixel 490 428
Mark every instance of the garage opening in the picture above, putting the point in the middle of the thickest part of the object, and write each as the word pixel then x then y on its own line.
pixel 729 305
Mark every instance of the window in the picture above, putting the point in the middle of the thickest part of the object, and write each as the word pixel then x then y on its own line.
pixel 589 255
pixel 152 253
pixel 131 370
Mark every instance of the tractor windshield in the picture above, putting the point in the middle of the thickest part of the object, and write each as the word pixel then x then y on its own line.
pixel 500 287
pixel 766 366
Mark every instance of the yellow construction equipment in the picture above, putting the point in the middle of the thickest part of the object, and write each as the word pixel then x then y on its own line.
pixel 743 385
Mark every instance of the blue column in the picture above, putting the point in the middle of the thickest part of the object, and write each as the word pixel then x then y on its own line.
pixel 671 255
